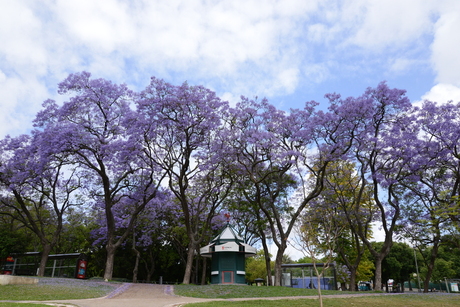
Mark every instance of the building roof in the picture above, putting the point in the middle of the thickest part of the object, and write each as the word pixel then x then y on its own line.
pixel 227 241
pixel 227 235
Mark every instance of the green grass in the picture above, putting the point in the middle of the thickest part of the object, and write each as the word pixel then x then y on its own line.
pixel 8 304
pixel 403 300
pixel 63 289
pixel 56 289
pixel 230 291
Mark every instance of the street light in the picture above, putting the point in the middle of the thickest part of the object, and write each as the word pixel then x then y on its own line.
pixel 447 286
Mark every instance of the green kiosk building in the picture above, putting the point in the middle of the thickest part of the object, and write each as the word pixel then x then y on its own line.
pixel 228 253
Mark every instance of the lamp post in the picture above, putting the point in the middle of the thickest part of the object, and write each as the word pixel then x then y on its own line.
pixel 416 267
pixel 447 286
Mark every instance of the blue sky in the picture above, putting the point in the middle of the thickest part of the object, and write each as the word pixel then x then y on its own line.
pixel 290 51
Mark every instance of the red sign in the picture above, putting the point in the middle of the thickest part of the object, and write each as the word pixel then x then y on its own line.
pixel 81 273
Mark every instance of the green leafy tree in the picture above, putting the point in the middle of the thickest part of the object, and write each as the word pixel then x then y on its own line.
pixel 427 215
pixel 349 201
pixel 365 270
pixel 255 267
pixel 399 264
pixel 450 250
pixel 75 236
pixel 318 235
pixel 14 238
pixel 245 207
pixel 443 269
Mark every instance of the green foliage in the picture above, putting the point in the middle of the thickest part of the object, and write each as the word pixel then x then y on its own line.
pixel 11 242
pixel 255 267
pixel 443 269
pixel 446 262
pixel 399 263
pixel 365 270
pixel 305 259
pixel 450 251
pixel 75 236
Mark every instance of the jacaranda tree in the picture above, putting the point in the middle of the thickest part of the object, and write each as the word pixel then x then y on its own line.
pixel 432 207
pixel 182 153
pixel 37 188
pixel 180 126
pixel 383 148
pixel 258 151
pixel 92 126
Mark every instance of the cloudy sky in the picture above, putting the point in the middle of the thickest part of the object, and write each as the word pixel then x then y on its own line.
pixel 289 51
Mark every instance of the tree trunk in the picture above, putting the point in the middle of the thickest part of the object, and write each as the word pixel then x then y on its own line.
pixel 44 258
pixel 196 269
pixel 267 262
pixel 426 283
pixel 278 263
pixel 203 272
pixel 149 269
pixel 318 286
pixel 110 248
pixel 353 279
pixel 430 266
pixel 136 262
pixel 189 264
pixel 378 274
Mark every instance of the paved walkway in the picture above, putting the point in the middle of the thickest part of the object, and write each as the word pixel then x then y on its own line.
pixel 135 295
pixel 149 295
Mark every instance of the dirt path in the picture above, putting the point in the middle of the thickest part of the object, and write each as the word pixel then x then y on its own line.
pixel 135 295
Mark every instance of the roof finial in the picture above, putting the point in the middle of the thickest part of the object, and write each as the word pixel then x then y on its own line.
pixel 227 215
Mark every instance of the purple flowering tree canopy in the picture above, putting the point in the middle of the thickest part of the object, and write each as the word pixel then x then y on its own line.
pixel 93 127
pixel 37 189
pixel 180 130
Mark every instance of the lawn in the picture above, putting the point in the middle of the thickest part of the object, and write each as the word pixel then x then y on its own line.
pixel 230 291
pixel 57 289
pixel 8 304
pixel 233 294
pixel 403 300
pixel 65 288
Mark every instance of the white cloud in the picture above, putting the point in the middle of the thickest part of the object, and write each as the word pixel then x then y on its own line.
pixel 102 26
pixel 443 93
pixel 235 47
pixel 16 110
pixel 20 30
pixel 398 65
pixel 446 45
pixel 318 73
pixel 232 99
pixel 384 25
pixel 207 40
pixel 240 44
